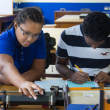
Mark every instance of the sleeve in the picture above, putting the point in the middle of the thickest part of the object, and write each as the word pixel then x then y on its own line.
pixel 6 47
pixel 41 48
pixel 61 47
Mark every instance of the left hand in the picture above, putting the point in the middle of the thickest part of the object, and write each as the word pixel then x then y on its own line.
pixel 101 77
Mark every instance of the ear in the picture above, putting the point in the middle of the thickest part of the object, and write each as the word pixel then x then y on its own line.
pixel 15 24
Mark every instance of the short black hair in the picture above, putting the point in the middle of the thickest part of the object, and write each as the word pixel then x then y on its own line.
pixel 96 25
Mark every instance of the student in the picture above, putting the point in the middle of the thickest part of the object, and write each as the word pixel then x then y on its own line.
pixel 23 52
pixel 88 46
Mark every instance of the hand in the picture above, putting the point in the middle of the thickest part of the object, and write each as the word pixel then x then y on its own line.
pixel 79 77
pixel 101 77
pixel 27 89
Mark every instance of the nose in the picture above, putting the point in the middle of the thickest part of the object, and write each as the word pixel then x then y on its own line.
pixel 30 38
pixel 94 46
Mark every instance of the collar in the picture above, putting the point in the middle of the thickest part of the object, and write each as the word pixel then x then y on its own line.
pixel 11 33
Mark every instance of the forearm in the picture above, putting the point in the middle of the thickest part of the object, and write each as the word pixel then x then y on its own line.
pixel 64 70
pixel 3 80
pixel 32 75
pixel 11 74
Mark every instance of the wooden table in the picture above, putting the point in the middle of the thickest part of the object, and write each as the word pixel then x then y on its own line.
pixel 58 14
pixel 24 107
pixel 30 107
pixel 67 21
pixel 6 18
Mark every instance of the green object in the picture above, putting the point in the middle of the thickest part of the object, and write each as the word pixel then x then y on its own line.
pixel 86 84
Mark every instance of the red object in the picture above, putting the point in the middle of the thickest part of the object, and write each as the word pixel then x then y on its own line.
pixel 45 106
pixel 104 53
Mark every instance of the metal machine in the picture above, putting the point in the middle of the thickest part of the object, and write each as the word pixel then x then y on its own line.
pixel 52 98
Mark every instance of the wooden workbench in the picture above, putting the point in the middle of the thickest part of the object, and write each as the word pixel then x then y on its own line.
pixel 6 18
pixel 67 21
pixel 58 14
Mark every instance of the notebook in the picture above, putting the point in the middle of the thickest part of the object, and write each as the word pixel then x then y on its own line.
pixel 86 84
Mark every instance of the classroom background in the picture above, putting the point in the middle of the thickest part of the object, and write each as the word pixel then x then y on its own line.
pixel 49 6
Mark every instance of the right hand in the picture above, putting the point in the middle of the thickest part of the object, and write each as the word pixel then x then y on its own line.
pixel 79 77
pixel 27 88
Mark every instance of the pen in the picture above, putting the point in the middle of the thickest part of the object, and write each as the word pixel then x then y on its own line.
pixel 81 71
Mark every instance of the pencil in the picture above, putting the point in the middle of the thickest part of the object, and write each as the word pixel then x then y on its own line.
pixel 81 71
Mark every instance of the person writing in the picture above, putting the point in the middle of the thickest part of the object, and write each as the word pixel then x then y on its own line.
pixel 86 45
pixel 23 52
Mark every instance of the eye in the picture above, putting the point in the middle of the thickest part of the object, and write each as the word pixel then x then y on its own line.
pixel 27 33
pixel 36 35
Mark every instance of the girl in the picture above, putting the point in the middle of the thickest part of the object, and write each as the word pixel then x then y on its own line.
pixel 23 52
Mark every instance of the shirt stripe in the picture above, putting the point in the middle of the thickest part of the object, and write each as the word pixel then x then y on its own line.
pixel 73 45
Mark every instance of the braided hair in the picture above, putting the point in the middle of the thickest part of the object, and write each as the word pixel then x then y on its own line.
pixel 29 13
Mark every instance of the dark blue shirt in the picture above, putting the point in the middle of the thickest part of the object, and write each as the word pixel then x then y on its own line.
pixel 23 57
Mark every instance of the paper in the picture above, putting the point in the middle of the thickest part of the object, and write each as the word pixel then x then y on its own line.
pixel 47 84
pixel 61 83
pixel 86 84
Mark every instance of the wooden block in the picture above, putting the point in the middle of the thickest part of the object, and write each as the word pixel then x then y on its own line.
pixel 85 97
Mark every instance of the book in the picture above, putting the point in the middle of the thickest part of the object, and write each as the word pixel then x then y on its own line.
pixel 86 84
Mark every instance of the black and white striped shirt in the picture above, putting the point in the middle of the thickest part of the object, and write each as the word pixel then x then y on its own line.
pixel 72 45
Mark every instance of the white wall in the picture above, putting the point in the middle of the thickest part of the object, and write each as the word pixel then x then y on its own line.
pixel 6 7
pixel 68 1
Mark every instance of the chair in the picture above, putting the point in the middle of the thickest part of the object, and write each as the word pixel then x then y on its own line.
pixel 85 9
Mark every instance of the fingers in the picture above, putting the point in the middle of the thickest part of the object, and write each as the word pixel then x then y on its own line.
pixel 94 75
pixel 28 89
pixel 81 82
pixel 20 91
pixel 32 93
pixel 98 78
pixel 80 78
pixel 37 88
pixel 103 80
pixel 25 91
pixel 101 77
pixel 84 74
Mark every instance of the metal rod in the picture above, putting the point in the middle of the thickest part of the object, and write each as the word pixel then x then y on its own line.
pixel 35 91
pixel 15 91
